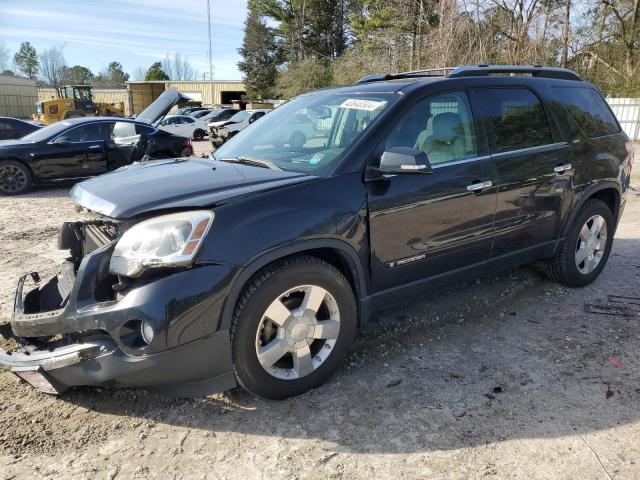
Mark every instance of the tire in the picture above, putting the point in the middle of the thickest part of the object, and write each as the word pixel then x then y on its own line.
pixel 15 178
pixel 297 140
pixel 566 267
pixel 251 329
pixel 198 134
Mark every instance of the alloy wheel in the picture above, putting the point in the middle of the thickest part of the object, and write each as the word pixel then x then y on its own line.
pixel 298 332
pixel 591 244
pixel 12 179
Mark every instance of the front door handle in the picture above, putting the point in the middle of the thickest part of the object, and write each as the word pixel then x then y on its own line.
pixel 94 146
pixel 562 168
pixel 476 187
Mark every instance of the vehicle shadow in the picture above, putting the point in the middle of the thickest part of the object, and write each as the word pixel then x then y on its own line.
pixel 504 357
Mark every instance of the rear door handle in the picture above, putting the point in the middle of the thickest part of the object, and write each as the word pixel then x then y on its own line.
pixel 476 187
pixel 562 168
pixel 94 146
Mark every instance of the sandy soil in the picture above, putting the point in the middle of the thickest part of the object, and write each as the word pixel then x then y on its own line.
pixel 504 377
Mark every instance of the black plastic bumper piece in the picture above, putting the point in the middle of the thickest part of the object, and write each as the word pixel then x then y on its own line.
pixel 197 368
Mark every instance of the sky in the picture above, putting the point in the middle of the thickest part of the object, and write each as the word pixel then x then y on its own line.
pixel 133 32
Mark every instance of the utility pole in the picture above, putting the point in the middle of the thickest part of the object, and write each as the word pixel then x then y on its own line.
pixel 566 32
pixel 210 53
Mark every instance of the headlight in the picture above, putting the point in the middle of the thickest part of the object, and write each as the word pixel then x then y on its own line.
pixel 165 241
pixel 224 133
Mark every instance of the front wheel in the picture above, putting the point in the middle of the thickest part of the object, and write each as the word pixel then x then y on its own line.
pixel 586 248
pixel 15 178
pixel 292 327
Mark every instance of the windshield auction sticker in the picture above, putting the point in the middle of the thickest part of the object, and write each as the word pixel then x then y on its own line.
pixel 357 104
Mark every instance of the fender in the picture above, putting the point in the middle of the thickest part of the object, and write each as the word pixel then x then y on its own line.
pixel 346 250
pixel 586 195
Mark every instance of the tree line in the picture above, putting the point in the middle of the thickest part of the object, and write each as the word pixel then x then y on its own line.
pixel 50 68
pixel 293 46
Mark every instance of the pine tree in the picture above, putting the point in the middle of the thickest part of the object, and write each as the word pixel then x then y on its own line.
pixel 156 72
pixel 27 59
pixel 261 55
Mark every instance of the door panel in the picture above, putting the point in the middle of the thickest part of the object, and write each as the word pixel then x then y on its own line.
pixel 75 160
pixel 535 170
pixel 531 196
pixel 423 225
pixel 426 225
pixel 83 155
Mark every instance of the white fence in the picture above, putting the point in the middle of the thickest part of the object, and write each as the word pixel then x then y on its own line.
pixel 627 111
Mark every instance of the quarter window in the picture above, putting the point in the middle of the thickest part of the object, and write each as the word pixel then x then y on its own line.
pixel 515 119
pixel 441 126
pixel 588 109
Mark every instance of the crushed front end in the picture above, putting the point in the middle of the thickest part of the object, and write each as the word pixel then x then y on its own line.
pixel 89 326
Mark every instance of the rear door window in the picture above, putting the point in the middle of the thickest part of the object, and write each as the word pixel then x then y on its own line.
pixel 588 109
pixel 515 119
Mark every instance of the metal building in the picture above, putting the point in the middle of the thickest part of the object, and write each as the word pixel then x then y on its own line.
pixel 18 96
pixel 142 93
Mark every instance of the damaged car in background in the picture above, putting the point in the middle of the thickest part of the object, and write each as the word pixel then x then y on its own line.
pixel 254 267
pixel 79 148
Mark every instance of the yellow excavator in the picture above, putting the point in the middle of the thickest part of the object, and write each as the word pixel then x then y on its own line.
pixel 75 101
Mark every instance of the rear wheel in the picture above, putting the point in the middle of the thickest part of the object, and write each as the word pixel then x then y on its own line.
pixel 15 178
pixel 586 248
pixel 292 327
pixel 198 134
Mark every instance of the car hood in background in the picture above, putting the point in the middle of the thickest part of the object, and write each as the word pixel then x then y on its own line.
pixel 161 106
pixel 220 123
pixel 166 184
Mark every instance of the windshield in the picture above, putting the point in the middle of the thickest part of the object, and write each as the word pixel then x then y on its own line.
pixel 240 116
pixel 45 133
pixel 308 134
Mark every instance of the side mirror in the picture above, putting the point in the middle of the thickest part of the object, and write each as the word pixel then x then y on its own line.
pixel 401 160
pixel 62 141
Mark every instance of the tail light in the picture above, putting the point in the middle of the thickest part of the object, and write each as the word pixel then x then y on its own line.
pixel 186 143
pixel 630 153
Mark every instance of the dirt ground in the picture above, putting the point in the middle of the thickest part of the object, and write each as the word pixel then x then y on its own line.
pixel 503 377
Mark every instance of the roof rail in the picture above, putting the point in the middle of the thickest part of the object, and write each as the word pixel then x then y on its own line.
pixel 533 70
pixel 431 72
pixel 478 71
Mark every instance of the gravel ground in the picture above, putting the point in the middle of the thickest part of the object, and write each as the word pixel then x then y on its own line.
pixel 504 377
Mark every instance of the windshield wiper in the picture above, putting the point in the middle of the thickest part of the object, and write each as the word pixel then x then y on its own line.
pixel 256 162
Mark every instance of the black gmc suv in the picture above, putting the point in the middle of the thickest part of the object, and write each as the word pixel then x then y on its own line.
pixel 256 266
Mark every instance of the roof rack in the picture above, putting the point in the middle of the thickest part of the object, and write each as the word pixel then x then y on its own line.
pixel 431 72
pixel 478 71
pixel 533 70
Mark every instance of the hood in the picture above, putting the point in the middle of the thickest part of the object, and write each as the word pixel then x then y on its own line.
pixel 161 106
pixel 220 123
pixel 178 183
pixel 10 143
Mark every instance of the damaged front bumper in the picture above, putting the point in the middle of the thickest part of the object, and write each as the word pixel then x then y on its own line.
pixel 74 329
